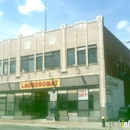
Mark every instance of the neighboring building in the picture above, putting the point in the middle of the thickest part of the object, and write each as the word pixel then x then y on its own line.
pixel 78 69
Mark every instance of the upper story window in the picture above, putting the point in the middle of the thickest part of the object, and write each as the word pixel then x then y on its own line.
pixel 81 55
pixel 12 65
pixel 92 54
pixel 52 59
pixel 27 63
pixel 39 61
pixel 5 66
pixel 70 57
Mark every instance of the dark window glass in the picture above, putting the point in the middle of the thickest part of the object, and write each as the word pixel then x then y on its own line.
pixel 70 57
pixel 62 96
pixel 39 62
pixel 81 55
pixel 62 105
pixel 27 64
pixel 52 60
pixel 24 64
pixel 92 54
pixel 12 66
pixel 72 105
pixel 90 101
pixel 5 67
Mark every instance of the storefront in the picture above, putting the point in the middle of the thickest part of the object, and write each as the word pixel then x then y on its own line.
pixel 74 98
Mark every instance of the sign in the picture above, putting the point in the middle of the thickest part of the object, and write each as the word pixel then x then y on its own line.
pixel 83 94
pixel 112 82
pixel 72 114
pixel 40 84
pixel 53 96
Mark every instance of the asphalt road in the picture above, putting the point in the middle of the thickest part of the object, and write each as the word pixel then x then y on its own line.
pixel 11 127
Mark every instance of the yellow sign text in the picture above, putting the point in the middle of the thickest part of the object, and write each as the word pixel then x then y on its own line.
pixel 40 84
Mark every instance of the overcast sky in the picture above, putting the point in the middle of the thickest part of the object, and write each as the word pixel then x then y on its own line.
pixel 27 16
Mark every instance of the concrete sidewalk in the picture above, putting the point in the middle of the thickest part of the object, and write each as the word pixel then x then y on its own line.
pixel 61 125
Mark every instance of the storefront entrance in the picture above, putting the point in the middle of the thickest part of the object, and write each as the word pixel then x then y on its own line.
pixel 40 105
pixel 29 104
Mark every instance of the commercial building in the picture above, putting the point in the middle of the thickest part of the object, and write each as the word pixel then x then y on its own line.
pixel 81 70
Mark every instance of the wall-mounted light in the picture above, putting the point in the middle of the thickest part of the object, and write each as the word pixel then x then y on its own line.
pixel 28 76
pixel 76 67
pixel 7 77
pixel 50 75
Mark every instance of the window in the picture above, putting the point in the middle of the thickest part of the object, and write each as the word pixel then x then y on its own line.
pixel 92 54
pixel 81 55
pixel 39 62
pixel 27 64
pixel 62 100
pixel 5 67
pixel 52 59
pixel 12 65
pixel 70 57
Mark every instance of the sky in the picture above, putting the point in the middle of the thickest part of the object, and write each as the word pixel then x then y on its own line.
pixel 27 17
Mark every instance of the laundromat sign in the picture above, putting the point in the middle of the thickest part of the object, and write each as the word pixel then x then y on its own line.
pixel 40 84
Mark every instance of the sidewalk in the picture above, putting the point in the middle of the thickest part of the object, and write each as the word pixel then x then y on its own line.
pixel 61 125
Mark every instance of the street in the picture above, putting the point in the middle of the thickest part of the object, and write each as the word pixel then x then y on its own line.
pixel 12 127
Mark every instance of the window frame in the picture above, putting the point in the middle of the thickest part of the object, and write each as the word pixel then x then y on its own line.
pixel 70 55
pixel 12 60
pixel 81 50
pixel 90 59
pixel 38 56
pixel 52 58
pixel 26 60
pixel 5 62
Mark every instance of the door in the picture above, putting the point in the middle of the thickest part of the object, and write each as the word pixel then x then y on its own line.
pixel 41 104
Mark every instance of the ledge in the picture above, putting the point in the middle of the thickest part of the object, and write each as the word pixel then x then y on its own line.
pixel 63 71
pixel 17 76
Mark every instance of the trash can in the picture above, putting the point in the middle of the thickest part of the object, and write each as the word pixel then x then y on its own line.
pixel 124 112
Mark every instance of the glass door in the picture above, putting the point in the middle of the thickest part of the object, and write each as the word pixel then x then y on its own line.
pixel 41 104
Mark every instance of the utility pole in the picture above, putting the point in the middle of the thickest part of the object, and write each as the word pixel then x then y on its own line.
pixel 45 16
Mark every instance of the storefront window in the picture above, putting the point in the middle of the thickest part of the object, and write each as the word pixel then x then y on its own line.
pixel 72 105
pixel 82 105
pixel 19 104
pixel 2 104
pixel 94 102
pixel 62 100
pixel 72 95
pixel 10 105
pixel 27 104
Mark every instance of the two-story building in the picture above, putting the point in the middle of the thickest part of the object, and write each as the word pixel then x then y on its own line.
pixel 82 70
